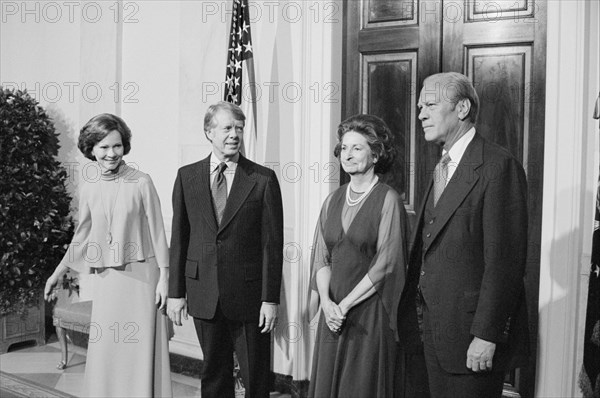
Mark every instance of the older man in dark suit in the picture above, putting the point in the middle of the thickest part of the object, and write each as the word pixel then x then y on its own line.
pixel 226 257
pixel 468 252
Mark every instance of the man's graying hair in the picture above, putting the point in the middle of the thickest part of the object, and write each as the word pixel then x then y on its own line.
pixel 455 87
pixel 209 117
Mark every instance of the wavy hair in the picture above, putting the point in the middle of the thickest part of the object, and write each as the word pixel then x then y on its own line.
pixel 378 135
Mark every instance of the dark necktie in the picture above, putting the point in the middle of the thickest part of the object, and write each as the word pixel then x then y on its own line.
pixel 440 175
pixel 219 192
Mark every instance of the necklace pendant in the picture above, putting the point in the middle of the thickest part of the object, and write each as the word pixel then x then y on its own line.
pixel 109 238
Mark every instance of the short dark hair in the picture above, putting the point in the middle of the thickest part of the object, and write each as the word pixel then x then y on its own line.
pixel 209 117
pixel 459 87
pixel 378 135
pixel 98 128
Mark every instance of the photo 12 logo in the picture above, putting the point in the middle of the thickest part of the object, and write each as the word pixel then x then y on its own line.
pixel 69 11
pixel 272 11
pixel 90 92
pixel 290 92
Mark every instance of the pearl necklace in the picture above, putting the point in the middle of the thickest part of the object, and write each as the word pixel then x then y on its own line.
pixel 353 202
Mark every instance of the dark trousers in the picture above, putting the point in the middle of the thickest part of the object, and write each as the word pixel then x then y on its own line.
pixel 218 338
pixel 444 384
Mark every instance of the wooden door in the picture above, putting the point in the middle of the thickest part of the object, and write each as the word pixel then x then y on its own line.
pixel 391 46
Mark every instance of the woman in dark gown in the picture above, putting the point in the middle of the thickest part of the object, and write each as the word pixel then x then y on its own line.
pixel 358 269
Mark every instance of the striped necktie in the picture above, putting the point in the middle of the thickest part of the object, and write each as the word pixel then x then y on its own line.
pixel 219 192
pixel 440 175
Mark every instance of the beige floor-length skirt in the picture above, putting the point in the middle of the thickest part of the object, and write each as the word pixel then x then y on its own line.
pixel 128 352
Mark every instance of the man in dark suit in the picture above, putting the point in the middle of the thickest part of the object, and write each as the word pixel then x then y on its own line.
pixel 468 251
pixel 226 257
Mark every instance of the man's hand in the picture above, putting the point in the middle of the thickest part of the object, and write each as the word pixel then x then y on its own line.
pixel 268 317
pixel 175 308
pixel 480 355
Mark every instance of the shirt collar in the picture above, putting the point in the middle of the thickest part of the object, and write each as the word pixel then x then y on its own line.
pixel 458 149
pixel 231 163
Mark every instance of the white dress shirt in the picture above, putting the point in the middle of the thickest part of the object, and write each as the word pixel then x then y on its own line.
pixel 457 151
pixel 229 171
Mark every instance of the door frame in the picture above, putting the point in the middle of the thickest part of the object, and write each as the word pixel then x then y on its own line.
pixel 569 187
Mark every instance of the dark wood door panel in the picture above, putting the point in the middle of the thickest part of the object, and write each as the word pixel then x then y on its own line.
pixel 381 13
pixel 502 76
pixel 388 90
pixel 394 39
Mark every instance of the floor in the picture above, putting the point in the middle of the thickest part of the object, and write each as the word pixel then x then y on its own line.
pixel 38 365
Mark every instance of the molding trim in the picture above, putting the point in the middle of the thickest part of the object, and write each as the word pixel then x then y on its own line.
pixel 567 214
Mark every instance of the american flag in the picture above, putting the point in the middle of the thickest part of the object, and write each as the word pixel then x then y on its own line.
pixel 240 62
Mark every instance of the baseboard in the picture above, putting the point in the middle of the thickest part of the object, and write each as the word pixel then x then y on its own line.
pixel 185 365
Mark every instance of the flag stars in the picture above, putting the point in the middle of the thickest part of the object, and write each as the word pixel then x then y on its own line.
pixel 240 49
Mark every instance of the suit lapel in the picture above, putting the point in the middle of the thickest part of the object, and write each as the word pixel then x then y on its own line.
pixel 243 182
pixel 462 182
pixel 201 189
pixel 418 230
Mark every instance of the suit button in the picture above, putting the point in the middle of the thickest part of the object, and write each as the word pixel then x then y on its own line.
pixel 431 221
pixel 422 273
pixel 428 235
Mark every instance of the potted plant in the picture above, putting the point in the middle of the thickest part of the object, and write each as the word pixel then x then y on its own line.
pixel 35 224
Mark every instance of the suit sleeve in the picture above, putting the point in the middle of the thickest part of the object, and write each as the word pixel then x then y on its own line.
pixel 272 240
pixel 505 250
pixel 180 237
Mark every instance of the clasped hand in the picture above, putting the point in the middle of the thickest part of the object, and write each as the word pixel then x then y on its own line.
pixel 334 316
